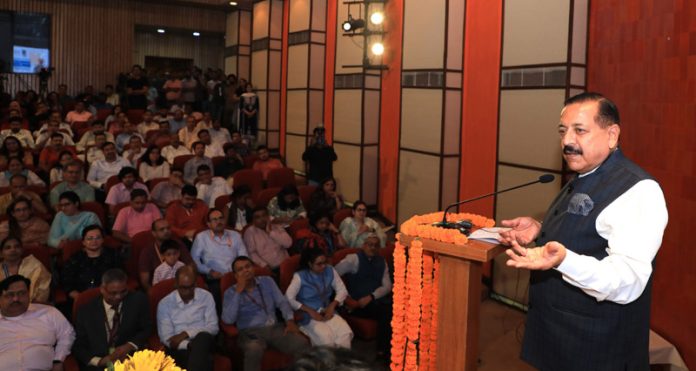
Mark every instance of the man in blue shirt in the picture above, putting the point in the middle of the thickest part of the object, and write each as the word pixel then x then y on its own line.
pixel 215 249
pixel 187 323
pixel 252 304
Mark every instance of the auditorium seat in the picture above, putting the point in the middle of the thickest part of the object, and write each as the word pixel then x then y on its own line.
pixel 97 208
pixel 251 178
pixel 249 161
pixel 221 202
pixel 280 177
pixel 306 194
pixel 265 196
pixel 340 215
pixel 180 161
pixel 287 268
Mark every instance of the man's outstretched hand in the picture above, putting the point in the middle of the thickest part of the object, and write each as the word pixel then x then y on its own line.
pixel 523 230
pixel 538 258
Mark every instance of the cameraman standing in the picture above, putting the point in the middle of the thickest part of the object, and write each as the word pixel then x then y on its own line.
pixel 320 157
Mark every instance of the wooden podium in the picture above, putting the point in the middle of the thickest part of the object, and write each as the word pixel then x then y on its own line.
pixel 459 299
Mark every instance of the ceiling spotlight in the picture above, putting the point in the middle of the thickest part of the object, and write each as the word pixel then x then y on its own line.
pixel 377 18
pixel 160 30
pixel 196 34
pixel 351 25
pixel 377 48
pixel 233 3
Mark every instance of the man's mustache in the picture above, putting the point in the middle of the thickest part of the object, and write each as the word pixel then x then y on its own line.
pixel 570 150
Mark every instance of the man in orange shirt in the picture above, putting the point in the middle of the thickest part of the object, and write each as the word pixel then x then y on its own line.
pixel 265 163
pixel 188 215
pixel 51 153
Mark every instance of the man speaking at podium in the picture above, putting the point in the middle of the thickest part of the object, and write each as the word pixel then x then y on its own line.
pixel 589 295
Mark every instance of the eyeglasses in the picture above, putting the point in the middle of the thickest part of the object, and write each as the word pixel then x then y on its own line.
pixel 93 238
pixel 361 210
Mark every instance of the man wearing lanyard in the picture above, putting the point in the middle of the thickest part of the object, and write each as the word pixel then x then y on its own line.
pixel 150 257
pixel 252 304
pixel 215 249
pixel 112 325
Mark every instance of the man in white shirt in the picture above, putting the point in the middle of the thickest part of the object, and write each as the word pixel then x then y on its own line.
pixel 187 323
pixel 210 187
pixel 211 149
pixel 88 137
pixel 148 124
pixel 218 134
pixel 51 128
pixel 590 283
pixel 174 149
pixel 62 126
pixel 102 170
pixel 32 336
pixel 23 135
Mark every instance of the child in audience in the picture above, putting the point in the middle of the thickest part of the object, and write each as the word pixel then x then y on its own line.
pixel 170 253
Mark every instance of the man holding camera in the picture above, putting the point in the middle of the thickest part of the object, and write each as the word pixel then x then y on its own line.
pixel 320 157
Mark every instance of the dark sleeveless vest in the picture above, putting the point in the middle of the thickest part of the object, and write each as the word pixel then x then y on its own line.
pixel 368 277
pixel 566 329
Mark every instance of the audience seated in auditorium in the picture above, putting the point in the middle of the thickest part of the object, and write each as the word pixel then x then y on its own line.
pixel 151 257
pixel 135 150
pixel 23 135
pixel 111 326
pixel 70 221
pixel 153 165
pixel 23 224
pixel 14 167
pixel 112 98
pixel 169 190
pixel 189 133
pixel 218 135
pixel 114 114
pixel 34 336
pixel 210 187
pixel 267 243
pixel 87 139
pixel 212 149
pixel 147 125
pixel 251 304
pixel 94 153
pixel 12 148
pixel 170 251
pixel 265 163
pixel 53 127
pixel 177 121
pixel 188 215
pixel 72 181
pixel 239 144
pixel 121 192
pixel 286 206
pixel 174 149
pixel 12 250
pixel 56 173
pixel 198 159
pixel 321 233
pixel 215 249
pixel 187 323
pixel 310 291
pixel 232 162
pixel 123 138
pixel 117 125
pixel 85 268
pixel 239 209
pixel 366 275
pixel 18 189
pixel 325 198
pixel 79 114
pixel 355 229
pixel 101 170
pixel 137 217
pixel 50 154
pixel 55 124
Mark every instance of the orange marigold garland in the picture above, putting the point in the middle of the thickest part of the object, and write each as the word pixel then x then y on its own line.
pixel 425 343
pixel 399 325
pixel 421 226
pixel 435 294
pixel 414 287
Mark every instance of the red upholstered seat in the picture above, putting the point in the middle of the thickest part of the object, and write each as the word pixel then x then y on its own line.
pixel 280 177
pixel 306 194
pixel 152 183
pixel 342 214
pixel 249 161
pixel 96 208
pixel 251 178
pixel 287 268
pixel 221 202
pixel 265 196
pixel 84 298
pixel 180 161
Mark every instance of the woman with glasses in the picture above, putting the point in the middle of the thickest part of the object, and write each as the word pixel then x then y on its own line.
pixel 22 224
pixel 11 251
pixel 70 221
pixel 357 228
pixel 85 268
pixel 317 290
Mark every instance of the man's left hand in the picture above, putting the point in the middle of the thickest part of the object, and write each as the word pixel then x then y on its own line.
pixel 538 258
pixel 291 327
pixel 121 352
pixel 364 301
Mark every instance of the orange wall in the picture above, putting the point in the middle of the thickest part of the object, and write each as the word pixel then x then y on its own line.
pixel 641 55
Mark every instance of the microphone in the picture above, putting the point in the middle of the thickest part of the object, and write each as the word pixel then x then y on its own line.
pixel 465 226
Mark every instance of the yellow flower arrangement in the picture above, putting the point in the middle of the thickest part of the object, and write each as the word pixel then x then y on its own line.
pixel 146 360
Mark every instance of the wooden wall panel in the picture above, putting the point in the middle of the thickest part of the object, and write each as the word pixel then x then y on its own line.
pixel 641 55
pixel 205 51
pixel 92 41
